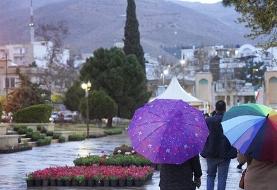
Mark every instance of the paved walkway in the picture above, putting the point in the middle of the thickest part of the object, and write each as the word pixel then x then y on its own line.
pixel 15 166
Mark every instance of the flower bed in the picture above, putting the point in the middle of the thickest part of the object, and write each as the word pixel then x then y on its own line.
pixel 113 160
pixel 91 176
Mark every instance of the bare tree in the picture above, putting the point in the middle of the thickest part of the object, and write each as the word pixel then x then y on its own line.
pixel 56 73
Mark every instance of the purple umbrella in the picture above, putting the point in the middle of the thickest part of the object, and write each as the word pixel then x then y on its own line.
pixel 168 131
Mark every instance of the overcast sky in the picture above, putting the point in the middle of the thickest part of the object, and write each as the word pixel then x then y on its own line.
pixel 203 1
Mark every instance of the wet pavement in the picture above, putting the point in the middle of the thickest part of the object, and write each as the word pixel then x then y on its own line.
pixel 14 167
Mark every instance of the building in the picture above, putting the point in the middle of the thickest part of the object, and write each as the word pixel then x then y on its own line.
pixel 36 52
pixel 187 53
pixel 9 77
pixel 270 89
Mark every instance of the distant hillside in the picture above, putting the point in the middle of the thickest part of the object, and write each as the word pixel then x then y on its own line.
pixel 100 23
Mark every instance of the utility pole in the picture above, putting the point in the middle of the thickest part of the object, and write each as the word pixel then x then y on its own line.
pixel 31 24
pixel 6 78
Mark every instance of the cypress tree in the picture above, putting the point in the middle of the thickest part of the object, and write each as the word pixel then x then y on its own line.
pixel 132 36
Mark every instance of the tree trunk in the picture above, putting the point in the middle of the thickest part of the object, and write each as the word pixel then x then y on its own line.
pixel 110 122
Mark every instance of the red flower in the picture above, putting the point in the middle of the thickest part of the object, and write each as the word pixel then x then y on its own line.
pixel 92 171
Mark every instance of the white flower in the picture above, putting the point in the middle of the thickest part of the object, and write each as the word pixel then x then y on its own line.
pixel 119 151
pixel 133 151
pixel 127 153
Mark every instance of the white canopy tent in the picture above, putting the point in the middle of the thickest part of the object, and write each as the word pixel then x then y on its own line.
pixel 175 91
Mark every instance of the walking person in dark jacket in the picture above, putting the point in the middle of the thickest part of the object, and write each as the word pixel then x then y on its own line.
pixel 185 176
pixel 218 150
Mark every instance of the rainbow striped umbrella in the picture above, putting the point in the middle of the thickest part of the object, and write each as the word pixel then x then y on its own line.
pixel 252 129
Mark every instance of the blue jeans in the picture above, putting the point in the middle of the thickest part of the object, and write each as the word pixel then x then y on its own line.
pixel 220 165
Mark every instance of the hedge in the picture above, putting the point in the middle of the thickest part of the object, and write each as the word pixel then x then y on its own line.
pixel 61 139
pixel 34 114
pixel 76 137
pixel 113 131
pixel 44 141
pixel 112 160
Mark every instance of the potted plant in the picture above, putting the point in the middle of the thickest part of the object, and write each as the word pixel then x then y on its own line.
pixel 60 182
pixel 52 181
pixel 139 181
pixel 37 182
pixel 45 182
pixel 129 181
pixel 106 181
pixel 67 180
pixel 122 181
pixel 98 180
pixel 114 181
pixel 81 180
pixel 30 181
pixel 90 181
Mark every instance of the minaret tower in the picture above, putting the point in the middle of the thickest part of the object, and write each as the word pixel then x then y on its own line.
pixel 31 24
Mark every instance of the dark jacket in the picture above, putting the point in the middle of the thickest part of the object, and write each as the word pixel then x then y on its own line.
pixel 180 177
pixel 217 145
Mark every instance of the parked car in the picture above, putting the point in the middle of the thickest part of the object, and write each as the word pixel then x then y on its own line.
pixel 68 118
pixel 54 116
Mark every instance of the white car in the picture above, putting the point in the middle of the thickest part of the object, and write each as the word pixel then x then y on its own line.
pixel 68 118
pixel 54 116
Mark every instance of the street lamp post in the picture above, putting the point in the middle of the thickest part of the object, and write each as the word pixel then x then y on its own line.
pixel 86 87
pixel 6 78
pixel 165 72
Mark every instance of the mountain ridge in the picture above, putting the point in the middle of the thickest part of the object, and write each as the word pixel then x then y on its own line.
pixel 100 23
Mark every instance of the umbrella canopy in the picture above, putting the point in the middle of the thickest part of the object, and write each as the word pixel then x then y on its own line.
pixel 168 131
pixel 252 129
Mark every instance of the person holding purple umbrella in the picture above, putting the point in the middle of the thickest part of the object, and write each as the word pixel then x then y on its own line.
pixel 171 133
pixel 185 176
pixel 217 150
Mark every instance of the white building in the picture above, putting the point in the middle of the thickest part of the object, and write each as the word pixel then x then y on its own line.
pixel 187 54
pixel 35 52
pixel 151 67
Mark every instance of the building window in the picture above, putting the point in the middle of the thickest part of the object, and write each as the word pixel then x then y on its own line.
pixel 10 82
pixel 7 84
pixel 203 82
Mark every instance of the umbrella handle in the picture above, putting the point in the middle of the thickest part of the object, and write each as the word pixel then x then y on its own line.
pixel 267 116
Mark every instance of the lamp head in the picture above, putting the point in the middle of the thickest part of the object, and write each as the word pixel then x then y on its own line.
pixel 84 86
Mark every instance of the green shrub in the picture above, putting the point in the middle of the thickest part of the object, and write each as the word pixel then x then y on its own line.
pixel 42 135
pixel 15 128
pixel 113 160
pixel 36 135
pixel 61 139
pixel 113 131
pixel 30 130
pixel 80 179
pixel 22 130
pixel 50 133
pixel 29 134
pixel 44 141
pixel 56 136
pixel 34 114
pixel 87 161
pixel 76 137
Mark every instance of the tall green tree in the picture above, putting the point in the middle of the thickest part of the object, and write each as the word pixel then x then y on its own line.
pixel 73 96
pixel 100 106
pixel 253 72
pixel 121 77
pixel 260 16
pixel 132 35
